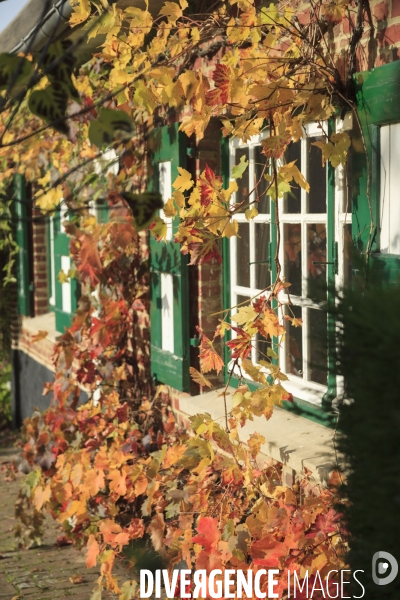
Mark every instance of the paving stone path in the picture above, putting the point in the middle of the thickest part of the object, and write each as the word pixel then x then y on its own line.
pixel 40 573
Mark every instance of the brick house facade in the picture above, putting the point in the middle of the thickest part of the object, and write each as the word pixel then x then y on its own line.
pixel 301 436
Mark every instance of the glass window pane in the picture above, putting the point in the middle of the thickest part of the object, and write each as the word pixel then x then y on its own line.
pixel 292 261
pixel 318 346
pixel 316 178
pixel 262 268
pixel 243 181
pixel 292 200
pixel 294 342
pixel 259 163
pixel 243 255
pixel 316 253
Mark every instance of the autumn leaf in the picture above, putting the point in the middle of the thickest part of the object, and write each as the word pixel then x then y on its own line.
pixel 210 360
pixel 254 443
pixel 76 579
pixel 93 550
pixel 41 335
pixel 184 180
pixel 221 77
pixel 156 530
pixel 128 590
pixel 209 534
pixel 172 10
pixel 159 229
pixel 241 344
pixel 48 201
pixel 275 145
pixel 199 377
pixel 169 208
pixel 238 170
pixel 250 213
pixel 269 324
pixel 245 314
pixel 174 453
pixel 41 496
pixel 62 277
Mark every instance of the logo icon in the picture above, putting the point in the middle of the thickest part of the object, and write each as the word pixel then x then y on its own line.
pixel 385 560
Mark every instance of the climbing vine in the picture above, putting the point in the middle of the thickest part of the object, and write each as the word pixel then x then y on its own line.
pixel 119 468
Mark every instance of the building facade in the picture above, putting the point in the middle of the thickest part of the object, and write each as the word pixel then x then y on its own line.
pixel 323 232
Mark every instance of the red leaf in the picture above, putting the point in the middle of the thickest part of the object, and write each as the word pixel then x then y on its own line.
pixel 221 79
pixel 241 345
pixel 210 360
pixel 209 536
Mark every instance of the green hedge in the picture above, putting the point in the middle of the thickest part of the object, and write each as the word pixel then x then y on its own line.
pixel 369 360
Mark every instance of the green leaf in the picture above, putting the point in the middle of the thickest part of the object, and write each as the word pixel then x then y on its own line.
pixel 61 71
pixel 271 353
pixel 111 125
pixel 143 207
pixel 14 70
pixel 128 590
pixel 238 170
pixel 50 105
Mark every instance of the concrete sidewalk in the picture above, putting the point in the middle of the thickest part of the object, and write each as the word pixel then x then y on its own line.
pixel 41 573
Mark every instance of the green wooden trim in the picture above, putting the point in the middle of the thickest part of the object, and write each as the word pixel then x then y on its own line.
pixel 169 144
pixel 331 272
pixel 23 271
pixel 226 262
pixel 60 249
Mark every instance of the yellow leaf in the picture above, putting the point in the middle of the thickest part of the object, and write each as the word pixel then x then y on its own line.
pixel 179 199
pixel 183 181
pixel 159 229
pixel 253 371
pixel 251 213
pixel 81 12
pixel 62 277
pixel 49 201
pixel 169 208
pixel 199 377
pixel 245 314
pixel 172 10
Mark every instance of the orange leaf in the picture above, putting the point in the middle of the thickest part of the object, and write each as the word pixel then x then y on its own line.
pixel 174 453
pixel 156 529
pixel 42 495
pixel 207 527
pixel 269 325
pixel 75 579
pixel 93 551
pixel 240 345
pixel 209 359
pixel 199 377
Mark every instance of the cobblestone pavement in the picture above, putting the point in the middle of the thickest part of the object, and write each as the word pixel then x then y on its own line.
pixel 41 573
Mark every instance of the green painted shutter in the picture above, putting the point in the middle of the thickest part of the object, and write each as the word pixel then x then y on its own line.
pixel 169 312
pixel 23 271
pixel 67 294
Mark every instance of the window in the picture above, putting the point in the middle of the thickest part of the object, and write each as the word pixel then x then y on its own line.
pixel 389 201
pixel 308 254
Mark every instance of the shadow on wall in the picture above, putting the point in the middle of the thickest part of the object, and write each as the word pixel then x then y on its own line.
pixel 28 379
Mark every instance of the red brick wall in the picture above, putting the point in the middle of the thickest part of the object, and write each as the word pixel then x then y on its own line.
pixel 40 274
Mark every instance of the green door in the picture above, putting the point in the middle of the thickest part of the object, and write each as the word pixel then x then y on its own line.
pixel 66 294
pixel 169 312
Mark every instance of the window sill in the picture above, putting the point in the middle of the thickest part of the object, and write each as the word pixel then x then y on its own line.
pixel 291 439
